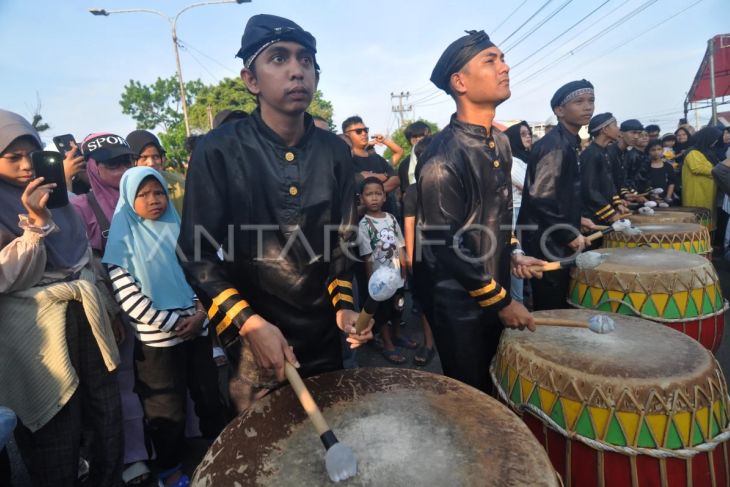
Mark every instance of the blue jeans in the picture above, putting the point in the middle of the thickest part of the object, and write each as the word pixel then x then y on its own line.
pixel 7 425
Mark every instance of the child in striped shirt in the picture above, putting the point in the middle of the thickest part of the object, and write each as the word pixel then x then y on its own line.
pixel 173 352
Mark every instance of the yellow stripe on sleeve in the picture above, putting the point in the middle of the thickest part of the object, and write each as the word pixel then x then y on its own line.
pixel 230 315
pixel 218 300
pixel 341 297
pixel 488 302
pixel 338 282
pixel 486 289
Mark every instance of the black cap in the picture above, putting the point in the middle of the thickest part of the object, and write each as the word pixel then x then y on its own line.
pixel 569 91
pixel 139 139
pixel 631 125
pixel 227 116
pixel 263 30
pixel 102 147
pixel 459 52
pixel 599 121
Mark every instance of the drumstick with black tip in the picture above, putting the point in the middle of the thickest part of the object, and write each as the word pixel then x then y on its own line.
pixel 339 460
pixel 600 324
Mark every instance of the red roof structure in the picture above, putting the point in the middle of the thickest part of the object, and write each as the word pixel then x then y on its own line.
pixel 717 59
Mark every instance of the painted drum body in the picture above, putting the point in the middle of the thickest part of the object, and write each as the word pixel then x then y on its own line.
pixel 677 289
pixel 643 406
pixel 692 238
pixel 406 428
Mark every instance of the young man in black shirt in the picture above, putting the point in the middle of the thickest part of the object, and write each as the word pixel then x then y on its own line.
pixel 465 216
pixel 276 196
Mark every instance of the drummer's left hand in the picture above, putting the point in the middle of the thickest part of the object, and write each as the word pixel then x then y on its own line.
pixel 521 266
pixel 587 225
pixel 346 320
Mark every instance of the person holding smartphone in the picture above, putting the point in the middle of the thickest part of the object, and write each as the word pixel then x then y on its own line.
pixel 44 288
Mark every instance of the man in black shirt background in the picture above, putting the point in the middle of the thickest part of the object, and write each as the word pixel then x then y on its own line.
pixel 369 164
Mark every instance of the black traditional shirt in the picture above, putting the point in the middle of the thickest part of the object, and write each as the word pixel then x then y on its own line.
pixel 598 191
pixel 617 159
pixel 637 168
pixel 280 214
pixel 465 211
pixel 551 195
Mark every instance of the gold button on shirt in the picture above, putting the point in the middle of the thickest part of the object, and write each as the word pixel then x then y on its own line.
pixel 293 190
pixel 491 144
pixel 289 156
pixel 496 163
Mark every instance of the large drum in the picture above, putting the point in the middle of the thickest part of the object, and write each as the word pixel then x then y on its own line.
pixel 406 428
pixel 642 406
pixel 677 289
pixel 668 217
pixel 683 237
pixel 703 215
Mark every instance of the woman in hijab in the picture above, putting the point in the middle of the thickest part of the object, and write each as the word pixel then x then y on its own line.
pixel 698 185
pixel 682 144
pixel 172 350
pixel 108 157
pixel 520 141
pixel 49 373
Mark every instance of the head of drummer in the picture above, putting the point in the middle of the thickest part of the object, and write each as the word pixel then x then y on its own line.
pixel 279 64
pixel 473 72
pixel 573 104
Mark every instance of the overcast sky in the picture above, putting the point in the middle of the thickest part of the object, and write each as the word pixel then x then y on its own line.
pixel 78 64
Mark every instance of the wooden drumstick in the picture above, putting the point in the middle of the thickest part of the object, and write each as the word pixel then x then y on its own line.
pixel 339 460
pixel 586 260
pixel 617 226
pixel 598 324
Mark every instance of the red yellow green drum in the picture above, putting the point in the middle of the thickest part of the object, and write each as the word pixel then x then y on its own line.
pixel 683 237
pixel 677 289
pixel 703 215
pixel 643 406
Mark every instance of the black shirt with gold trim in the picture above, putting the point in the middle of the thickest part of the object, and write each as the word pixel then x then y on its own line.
pixel 281 218
pixel 597 188
pixel 465 211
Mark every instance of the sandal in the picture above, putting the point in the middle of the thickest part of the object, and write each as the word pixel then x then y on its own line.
pixel 424 356
pixel 183 481
pixel 393 356
pixel 405 342
pixel 136 473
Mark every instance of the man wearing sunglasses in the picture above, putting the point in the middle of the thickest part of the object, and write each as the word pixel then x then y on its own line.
pixel 369 164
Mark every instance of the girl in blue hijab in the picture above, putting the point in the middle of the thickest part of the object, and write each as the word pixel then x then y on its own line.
pixel 172 350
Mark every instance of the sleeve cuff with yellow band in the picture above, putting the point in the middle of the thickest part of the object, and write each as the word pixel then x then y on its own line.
pixel 605 213
pixel 514 243
pixel 624 192
pixel 616 200
pixel 340 292
pixel 492 296
pixel 227 314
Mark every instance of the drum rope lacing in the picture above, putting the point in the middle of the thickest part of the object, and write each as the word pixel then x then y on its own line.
pixel 638 313
pixel 599 445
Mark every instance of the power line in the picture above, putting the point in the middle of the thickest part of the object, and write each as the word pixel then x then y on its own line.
pixel 526 21
pixel 578 34
pixel 499 25
pixel 213 77
pixel 585 43
pixel 189 46
pixel 540 24
pixel 561 34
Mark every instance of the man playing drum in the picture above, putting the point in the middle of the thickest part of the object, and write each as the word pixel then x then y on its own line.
pixel 465 216
pixel 275 195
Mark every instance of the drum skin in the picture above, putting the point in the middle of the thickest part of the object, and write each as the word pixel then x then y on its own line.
pixel 677 289
pixel 682 237
pixel 643 406
pixel 665 217
pixel 703 215
pixel 406 428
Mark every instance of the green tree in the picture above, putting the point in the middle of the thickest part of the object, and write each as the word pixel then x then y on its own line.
pixel 157 104
pixel 399 137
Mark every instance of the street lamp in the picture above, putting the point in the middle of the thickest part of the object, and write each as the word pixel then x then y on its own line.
pixel 173 27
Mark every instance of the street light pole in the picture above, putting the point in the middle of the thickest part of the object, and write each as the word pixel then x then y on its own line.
pixel 173 29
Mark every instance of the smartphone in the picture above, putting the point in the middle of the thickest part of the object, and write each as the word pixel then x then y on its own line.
pixel 49 165
pixel 63 143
